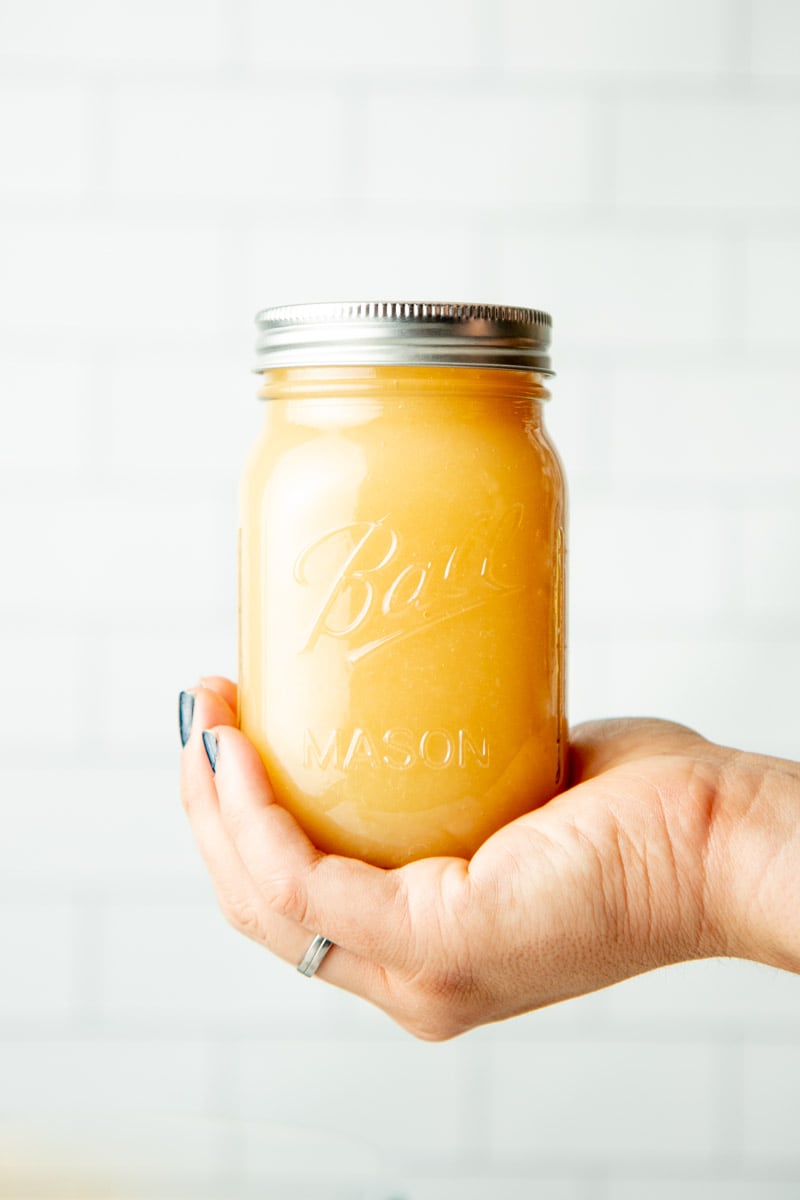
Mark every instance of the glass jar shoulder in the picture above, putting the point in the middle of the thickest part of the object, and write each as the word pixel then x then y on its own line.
pixel 439 448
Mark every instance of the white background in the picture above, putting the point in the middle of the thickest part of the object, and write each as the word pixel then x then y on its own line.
pixel 166 168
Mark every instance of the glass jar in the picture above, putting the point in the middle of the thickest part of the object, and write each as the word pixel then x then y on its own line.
pixel 401 575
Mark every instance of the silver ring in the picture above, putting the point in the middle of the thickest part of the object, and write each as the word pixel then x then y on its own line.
pixel 311 961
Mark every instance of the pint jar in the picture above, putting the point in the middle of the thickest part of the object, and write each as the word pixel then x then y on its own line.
pixel 401 574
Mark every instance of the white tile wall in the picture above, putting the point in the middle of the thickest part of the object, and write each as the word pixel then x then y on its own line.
pixel 108 33
pixel 719 996
pixel 772 581
pixel 491 150
pixel 241 141
pixel 679 556
pixel 167 168
pixel 400 1097
pixel 164 416
pixel 709 429
pixel 111 276
pixel 56 121
pixel 703 1189
pixel 67 827
pixel 368 38
pixel 574 1100
pixel 771 1088
pixel 775 36
pixel 38 660
pixel 706 151
pixel 170 962
pixel 44 985
pixel 772 260
pixel 69 1075
pixel 498 1188
pixel 307 256
pixel 31 444
pixel 614 39
pixel 665 294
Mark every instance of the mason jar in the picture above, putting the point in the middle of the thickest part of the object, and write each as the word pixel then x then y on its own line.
pixel 401 574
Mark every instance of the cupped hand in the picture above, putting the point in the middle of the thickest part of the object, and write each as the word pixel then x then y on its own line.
pixel 611 878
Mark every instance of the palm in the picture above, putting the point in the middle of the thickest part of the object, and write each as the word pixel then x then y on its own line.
pixel 541 910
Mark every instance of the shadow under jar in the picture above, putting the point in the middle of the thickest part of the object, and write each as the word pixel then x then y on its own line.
pixel 401 575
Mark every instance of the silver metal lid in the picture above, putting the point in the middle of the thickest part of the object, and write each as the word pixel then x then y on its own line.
pixel 394 332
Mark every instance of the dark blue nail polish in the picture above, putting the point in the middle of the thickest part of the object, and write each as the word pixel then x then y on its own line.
pixel 185 714
pixel 212 749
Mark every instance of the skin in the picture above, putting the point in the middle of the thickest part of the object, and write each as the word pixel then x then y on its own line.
pixel 665 847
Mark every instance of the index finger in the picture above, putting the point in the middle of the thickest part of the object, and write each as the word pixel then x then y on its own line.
pixel 223 687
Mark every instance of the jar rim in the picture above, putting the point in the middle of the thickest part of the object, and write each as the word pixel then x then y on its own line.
pixel 400 333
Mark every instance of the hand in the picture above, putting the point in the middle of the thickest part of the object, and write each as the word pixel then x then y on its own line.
pixel 665 847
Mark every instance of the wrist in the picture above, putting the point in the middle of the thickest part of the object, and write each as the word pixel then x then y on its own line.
pixel 753 861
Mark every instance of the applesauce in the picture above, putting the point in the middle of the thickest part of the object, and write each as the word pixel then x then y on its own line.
pixel 401 575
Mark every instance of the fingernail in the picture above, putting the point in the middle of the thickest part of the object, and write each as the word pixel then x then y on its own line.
pixel 212 749
pixel 185 714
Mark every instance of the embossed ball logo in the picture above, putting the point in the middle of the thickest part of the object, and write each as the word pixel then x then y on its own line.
pixel 371 595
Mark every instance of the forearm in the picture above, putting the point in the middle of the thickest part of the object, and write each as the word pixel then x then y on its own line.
pixel 753 860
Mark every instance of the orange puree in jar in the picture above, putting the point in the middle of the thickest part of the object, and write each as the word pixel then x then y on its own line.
pixel 401 577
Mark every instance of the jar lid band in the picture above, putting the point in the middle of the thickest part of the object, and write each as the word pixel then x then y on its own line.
pixel 401 333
